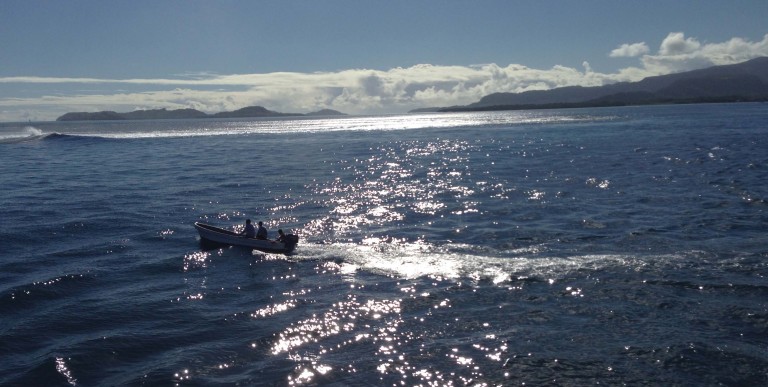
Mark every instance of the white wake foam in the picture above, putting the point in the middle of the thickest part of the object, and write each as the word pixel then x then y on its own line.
pixel 414 260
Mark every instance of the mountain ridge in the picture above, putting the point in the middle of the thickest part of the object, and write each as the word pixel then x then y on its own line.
pixel 164 114
pixel 745 81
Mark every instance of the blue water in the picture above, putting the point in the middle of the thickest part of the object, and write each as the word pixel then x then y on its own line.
pixel 558 247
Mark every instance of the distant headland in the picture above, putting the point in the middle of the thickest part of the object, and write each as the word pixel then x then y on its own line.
pixel 164 114
pixel 741 82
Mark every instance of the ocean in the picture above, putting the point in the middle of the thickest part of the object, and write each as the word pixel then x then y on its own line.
pixel 611 246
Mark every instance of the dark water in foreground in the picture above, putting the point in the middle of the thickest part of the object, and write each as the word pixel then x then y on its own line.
pixel 565 247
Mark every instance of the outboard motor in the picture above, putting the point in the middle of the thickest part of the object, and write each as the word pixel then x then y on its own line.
pixel 291 240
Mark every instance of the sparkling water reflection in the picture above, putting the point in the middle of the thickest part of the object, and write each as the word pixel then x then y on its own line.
pixel 607 246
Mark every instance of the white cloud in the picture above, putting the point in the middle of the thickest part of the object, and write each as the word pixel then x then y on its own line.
pixel 630 50
pixel 676 44
pixel 360 91
pixel 678 53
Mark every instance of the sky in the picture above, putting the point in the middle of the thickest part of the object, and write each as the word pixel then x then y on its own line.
pixel 354 56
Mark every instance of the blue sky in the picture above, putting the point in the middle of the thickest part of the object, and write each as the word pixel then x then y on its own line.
pixel 359 57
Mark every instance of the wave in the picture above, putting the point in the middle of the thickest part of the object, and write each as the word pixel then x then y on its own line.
pixel 71 137
pixel 28 133
pixel 32 134
pixel 163 129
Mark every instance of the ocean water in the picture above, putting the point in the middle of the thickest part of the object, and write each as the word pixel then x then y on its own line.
pixel 620 246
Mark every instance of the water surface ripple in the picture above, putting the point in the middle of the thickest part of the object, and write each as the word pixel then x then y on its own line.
pixel 561 247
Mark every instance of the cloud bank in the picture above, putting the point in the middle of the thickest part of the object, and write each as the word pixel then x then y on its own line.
pixel 360 91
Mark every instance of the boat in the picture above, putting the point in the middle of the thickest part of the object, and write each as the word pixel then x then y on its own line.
pixel 223 236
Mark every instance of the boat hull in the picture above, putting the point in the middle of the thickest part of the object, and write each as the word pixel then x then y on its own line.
pixel 223 236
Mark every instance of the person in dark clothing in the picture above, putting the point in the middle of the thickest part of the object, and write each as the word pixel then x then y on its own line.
pixel 249 230
pixel 262 232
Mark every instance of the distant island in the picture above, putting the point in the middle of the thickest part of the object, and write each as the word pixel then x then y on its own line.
pixel 163 114
pixel 742 82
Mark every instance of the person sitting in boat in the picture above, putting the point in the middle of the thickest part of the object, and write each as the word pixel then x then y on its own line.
pixel 290 240
pixel 249 230
pixel 262 232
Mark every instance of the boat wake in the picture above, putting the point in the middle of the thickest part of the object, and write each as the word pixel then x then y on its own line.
pixel 415 260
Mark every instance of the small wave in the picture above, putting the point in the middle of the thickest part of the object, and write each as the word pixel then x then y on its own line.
pixel 26 296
